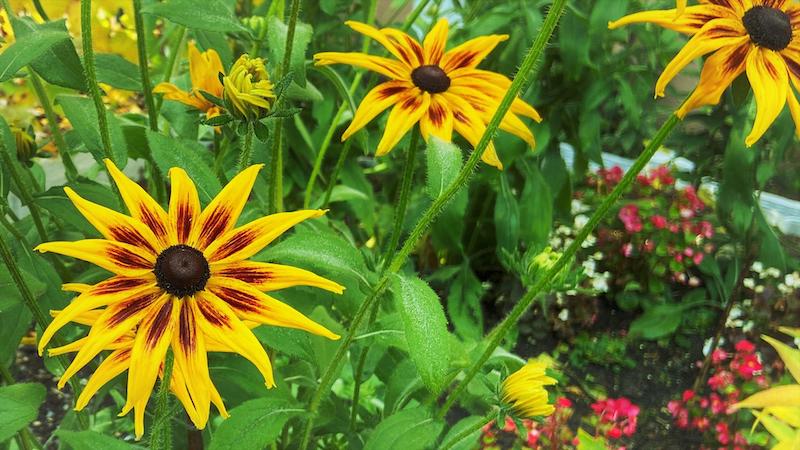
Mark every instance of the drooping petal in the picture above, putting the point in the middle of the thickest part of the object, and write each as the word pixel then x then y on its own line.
pixel 114 364
pixel 172 92
pixel 251 304
pixel 689 22
pixel 140 204
pixel 719 71
pixel 204 70
pixel 714 35
pixel 438 120
pixel 119 258
pixel 680 6
pixel 375 102
pixel 770 81
pixel 184 206
pixel 794 109
pixel 109 292
pixel 222 213
pixel 403 116
pixel 493 85
pixel 115 226
pixel 486 108
pixel 219 322
pixel 384 66
pixel 116 320
pixel 149 349
pixel 247 240
pixel 435 42
pixel 471 53
pixel 124 342
pixel 468 123
pixel 271 277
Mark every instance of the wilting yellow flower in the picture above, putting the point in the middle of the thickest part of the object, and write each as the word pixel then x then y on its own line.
pixel 204 70
pixel 248 89
pixel 181 281
pixel 525 390
pixel 443 91
pixel 752 36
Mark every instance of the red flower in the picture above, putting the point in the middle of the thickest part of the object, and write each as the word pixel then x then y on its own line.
pixel 629 215
pixel 719 355
pixel 611 176
pixel 723 433
pixel 659 221
pixel 745 346
pixel 688 395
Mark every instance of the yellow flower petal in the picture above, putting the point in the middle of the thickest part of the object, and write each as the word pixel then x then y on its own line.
pixel 113 365
pixel 384 66
pixel 688 22
pixel 402 118
pixel 471 53
pixel 719 71
pixel 434 43
pixel 376 101
pixel 776 396
pixel 116 257
pixel 271 277
pixel 140 204
pixel 184 206
pixel 769 79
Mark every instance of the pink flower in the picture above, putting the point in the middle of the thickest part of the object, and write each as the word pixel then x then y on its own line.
pixel 745 346
pixel 682 421
pixel 659 221
pixel 701 423
pixel 614 433
pixel 723 433
pixel 746 365
pixel 717 405
pixel 611 176
pixel 720 380
pixel 510 425
pixel 629 215
pixel 563 402
pixel 627 250
pixel 698 258
pixel 533 438
pixel 674 407
pixel 705 229
pixel 719 355
pixel 688 395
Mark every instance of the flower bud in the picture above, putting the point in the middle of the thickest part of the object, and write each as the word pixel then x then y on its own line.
pixel 26 146
pixel 247 89
pixel 524 390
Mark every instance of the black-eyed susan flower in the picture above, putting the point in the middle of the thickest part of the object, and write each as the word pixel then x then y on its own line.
pixel 204 70
pixel 181 280
pixel 441 90
pixel 756 37
pixel 248 89
pixel 524 390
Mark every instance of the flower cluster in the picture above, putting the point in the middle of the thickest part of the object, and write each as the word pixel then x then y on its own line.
pixel 553 432
pixel 616 417
pixel 732 375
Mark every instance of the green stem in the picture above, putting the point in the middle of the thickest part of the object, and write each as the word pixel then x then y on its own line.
pixel 362 360
pixel 522 305
pixel 40 10
pixel 335 174
pixel 170 68
pixel 415 14
pixel 161 436
pixel 10 227
pixel 405 192
pixel 326 142
pixel 52 121
pixel 25 195
pixel 276 186
pixel 488 418
pixel 41 319
pixel 527 69
pixel 90 69
pixel 247 147
pixel 144 72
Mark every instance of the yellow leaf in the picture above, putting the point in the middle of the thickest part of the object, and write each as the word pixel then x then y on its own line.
pixel 777 396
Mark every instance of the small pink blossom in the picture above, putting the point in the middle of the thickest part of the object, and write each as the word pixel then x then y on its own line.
pixel 659 221
pixel 629 215
pixel 719 355
pixel 745 346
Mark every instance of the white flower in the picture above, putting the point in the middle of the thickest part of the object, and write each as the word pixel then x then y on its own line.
pixel 792 279
pixel 564 315
pixel 749 283
pixel 784 289
pixel 598 256
pixel 571 292
pixel 589 267
pixel 757 267
pixel 589 242
pixel 759 289
pixel 772 272
pixel 580 221
pixel 577 207
pixel 563 229
pixel 600 284
pixel 555 242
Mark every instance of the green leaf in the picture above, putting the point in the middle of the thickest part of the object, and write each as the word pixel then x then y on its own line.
pixel 588 442
pixel 535 209
pixel 59 65
pixel 276 38
pixel 27 49
pixel 91 440
pixel 425 327
pixel 83 116
pixel 444 163
pixel 254 424
pixel 118 72
pixel 660 320
pixel 467 443
pixel 19 405
pixel 169 152
pixel 11 295
pixel 55 201
pixel 410 429
pixel 212 15
pixel 506 217
pixel 464 303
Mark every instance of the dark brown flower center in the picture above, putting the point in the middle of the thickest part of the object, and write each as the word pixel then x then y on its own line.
pixel 430 78
pixel 768 27
pixel 181 270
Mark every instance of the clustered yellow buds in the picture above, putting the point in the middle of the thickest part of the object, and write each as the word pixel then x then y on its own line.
pixel 26 146
pixel 524 390
pixel 247 88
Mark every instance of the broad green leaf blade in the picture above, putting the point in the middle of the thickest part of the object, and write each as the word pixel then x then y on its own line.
pixel 588 442
pixel 444 163
pixel 11 295
pixel 410 429
pixel 118 72
pixel 425 327
pixel 467 443
pixel 19 405
pixel 276 38
pixel 658 321
pixel 464 303
pixel 59 65
pixel 211 15
pixel 92 440
pixel 254 424
pixel 83 116
pixel 27 49
pixel 535 209
pixel 55 201
pixel 169 152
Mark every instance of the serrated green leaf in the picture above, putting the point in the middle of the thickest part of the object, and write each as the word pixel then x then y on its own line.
pixel 425 328
pixel 170 152
pixel 410 429
pixel 59 65
pixel 212 15
pixel 118 72
pixel 276 38
pixel 27 49
pixel 254 424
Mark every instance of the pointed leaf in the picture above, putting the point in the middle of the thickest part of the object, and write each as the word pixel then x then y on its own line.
pixel 789 355
pixel 19 405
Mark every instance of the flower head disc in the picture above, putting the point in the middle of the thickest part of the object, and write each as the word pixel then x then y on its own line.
pixel 181 280
pixel 248 88
pixel 753 37
pixel 525 390
pixel 443 91
pixel 204 70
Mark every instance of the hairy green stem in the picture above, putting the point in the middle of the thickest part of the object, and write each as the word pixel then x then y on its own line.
pixel 323 149
pixel 247 147
pixel 526 70
pixel 335 174
pixel 402 198
pixel 25 195
pixel 144 72
pixel 276 185
pixel 170 67
pixel 161 436
pixel 41 319
pixel 52 122
pixel 487 419
pixel 10 227
pixel 415 14
pixel 90 69
pixel 500 331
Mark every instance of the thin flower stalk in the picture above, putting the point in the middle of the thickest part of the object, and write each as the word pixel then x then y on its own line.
pixel 527 70
pixel 52 121
pixel 90 70
pixel 144 73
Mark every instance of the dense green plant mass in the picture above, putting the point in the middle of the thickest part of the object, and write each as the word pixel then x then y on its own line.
pixel 393 224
